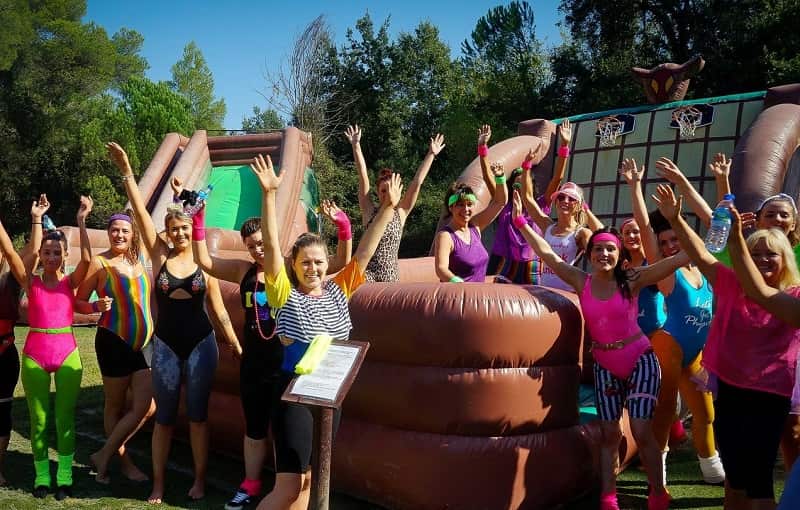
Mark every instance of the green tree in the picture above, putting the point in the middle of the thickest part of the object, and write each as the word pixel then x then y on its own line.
pixel 262 120
pixel 192 78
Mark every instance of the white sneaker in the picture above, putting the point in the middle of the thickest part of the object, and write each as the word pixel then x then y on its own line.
pixel 712 469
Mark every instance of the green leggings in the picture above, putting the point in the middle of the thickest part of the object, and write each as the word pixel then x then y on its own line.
pixel 36 382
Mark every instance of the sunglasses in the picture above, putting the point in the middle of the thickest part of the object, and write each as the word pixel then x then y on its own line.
pixel 562 197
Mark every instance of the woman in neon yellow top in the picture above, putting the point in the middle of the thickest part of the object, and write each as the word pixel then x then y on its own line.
pixel 306 305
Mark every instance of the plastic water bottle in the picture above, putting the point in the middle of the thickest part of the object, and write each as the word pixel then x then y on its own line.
pixel 47 223
pixel 717 236
pixel 199 202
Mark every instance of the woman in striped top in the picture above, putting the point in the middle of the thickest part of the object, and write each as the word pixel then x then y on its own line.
pixel 306 305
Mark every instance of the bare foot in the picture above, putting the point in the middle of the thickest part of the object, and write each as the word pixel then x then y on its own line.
pixel 129 469
pixel 100 469
pixel 155 497
pixel 198 490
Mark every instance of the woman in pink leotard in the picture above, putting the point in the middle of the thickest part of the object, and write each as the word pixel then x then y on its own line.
pixel 626 371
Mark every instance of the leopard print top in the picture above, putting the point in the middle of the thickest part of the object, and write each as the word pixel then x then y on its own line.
pixel 382 266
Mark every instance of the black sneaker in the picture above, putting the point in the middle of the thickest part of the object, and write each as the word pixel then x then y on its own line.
pixel 41 491
pixel 239 500
pixel 63 492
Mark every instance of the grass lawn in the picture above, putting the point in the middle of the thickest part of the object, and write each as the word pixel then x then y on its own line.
pixel 686 484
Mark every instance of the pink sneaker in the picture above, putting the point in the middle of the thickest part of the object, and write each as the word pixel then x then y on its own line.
pixel 609 501
pixel 677 434
pixel 658 501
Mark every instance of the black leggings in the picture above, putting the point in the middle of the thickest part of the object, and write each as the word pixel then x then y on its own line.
pixel 9 374
pixel 749 424
pixel 258 378
pixel 293 431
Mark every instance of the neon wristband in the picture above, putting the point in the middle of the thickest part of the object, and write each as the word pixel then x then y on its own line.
pixel 456 279
pixel 500 179
pixel 527 164
pixel 344 230
pixel 483 150
pixel 563 151
pixel 198 233
pixel 519 221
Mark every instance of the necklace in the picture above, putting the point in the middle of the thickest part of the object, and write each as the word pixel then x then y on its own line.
pixel 255 308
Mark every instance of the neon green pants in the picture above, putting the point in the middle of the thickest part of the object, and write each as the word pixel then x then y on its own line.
pixel 36 382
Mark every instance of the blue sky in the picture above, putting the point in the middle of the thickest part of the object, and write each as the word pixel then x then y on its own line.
pixel 241 38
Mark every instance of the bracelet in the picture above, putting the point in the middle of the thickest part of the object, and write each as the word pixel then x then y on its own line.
pixel 500 179
pixel 483 150
pixel 563 151
pixel 456 279
pixel 527 164
pixel 36 223
pixel 519 221
pixel 126 177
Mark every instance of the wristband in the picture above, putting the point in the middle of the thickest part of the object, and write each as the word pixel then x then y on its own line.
pixel 527 164
pixel 585 206
pixel 343 229
pixel 563 151
pixel 126 177
pixel 483 150
pixel 36 223
pixel 199 225
pixel 500 179
pixel 456 279
pixel 519 221
pixel 95 307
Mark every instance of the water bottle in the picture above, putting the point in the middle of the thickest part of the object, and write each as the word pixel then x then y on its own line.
pixel 717 236
pixel 200 201
pixel 47 223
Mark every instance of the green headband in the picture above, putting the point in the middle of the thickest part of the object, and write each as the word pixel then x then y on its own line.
pixel 455 197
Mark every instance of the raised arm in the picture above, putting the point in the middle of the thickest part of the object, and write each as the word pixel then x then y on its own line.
pixel 78 275
pixel 265 172
pixel 562 154
pixel 14 260
pixel 353 135
pixel 570 274
pixel 155 246
pixel 667 169
pixel 30 254
pixel 372 236
pixel 721 169
pixel 499 200
pixel 784 306
pixel 412 192
pixel 528 200
pixel 229 270
pixel 484 135
pixel 633 176
pixel 592 221
pixel 344 232
pixel 219 315
pixel 691 243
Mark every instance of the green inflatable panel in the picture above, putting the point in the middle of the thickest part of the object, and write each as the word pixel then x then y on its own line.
pixel 236 196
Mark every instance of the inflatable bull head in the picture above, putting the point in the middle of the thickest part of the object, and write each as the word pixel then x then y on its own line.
pixel 668 82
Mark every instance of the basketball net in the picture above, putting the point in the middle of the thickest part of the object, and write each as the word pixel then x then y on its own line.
pixel 609 129
pixel 688 118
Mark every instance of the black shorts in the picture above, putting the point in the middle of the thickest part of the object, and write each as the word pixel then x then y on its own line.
pixel 116 358
pixel 258 377
pixel 9 373
pixel 293 431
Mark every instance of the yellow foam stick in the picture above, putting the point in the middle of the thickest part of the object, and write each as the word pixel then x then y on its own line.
pixel 317 350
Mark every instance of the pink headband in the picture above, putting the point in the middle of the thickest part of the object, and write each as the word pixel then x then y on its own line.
pixel 607 236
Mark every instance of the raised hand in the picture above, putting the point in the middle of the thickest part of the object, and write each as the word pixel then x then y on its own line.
pixel 329 209
pixel 565 132
pixel 497 169
pixel 353 134
pixel 437 144
pixel 265 173
pixel 484 134
pixel 39 207
pixel 177 186
pixel 85 208
pixel 667 169
pixel 736 221
pixel 119 157
pixel 395 190
pixel 630 171
pixel 669 206
pixel 748 220
pixel 517 204
pixel 532 152
pixel 721 166
pixel 103 304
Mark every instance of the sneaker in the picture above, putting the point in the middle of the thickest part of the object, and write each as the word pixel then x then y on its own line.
pixel 712 469
pixel 41 491
pixel 677 434
pixel 239 500
pixel 63 492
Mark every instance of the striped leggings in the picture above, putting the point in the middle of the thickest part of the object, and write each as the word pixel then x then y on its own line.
pixel 639 392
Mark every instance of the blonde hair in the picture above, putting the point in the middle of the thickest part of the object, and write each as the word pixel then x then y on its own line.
pixel 777 241
pixel 175 212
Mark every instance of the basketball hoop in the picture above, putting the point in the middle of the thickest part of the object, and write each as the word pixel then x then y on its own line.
pixel 688 119
pixel 608 129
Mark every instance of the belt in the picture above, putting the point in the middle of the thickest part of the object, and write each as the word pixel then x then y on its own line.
pixel 53 331
pixel 617 345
